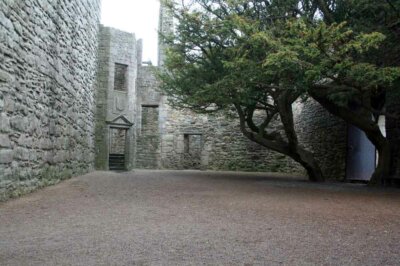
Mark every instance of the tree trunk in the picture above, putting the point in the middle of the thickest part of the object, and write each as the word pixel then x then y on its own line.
pixel 393 134
pixel 382 171
pixel 306 159
pixel 300 155
pixel 291 149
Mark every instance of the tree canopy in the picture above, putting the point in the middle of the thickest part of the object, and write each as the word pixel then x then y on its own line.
pixel 259 57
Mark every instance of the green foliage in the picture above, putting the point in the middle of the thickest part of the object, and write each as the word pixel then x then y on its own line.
pixel 224 52
pixel 258 57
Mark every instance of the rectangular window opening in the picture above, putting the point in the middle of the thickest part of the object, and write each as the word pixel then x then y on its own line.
pixel 120 77
pixel 150 119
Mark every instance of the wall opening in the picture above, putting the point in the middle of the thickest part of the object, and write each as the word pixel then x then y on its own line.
pixel 148 141
pixel 120 77
pixel 360 155
pixel 192 148
pixel 117 148
pixel 150 119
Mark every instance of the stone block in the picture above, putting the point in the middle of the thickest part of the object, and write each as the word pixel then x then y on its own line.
pixel 5 141
pixel 4 123
pixel 19 123
pixel 9 104
pixel 21 154
pixel 168 138
pixel 6 156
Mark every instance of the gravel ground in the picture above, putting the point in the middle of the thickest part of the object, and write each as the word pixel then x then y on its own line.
pixel 200 218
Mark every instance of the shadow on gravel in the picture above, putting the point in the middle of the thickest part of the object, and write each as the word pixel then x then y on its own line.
pixel 274 179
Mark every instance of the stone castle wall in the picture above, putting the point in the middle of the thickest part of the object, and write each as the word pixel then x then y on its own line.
pixel 102 81
pixel 222 145
pixel 47 71
pixel 116 93
pixel 165 27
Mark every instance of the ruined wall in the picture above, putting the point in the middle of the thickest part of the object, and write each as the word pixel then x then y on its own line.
pixel 47 69
pixel 166 25
pixel 323 134
pixel 223 146
pixel 180 139
pixel 148 153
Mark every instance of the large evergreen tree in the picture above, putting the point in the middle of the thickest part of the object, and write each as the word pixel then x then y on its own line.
pixel 375 84
pixel 260 56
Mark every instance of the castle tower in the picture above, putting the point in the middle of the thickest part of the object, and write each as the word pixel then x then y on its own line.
pixel 165 28
pixel 119 55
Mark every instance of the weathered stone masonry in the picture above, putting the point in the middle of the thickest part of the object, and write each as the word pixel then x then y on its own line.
pixel 148 127
pixel 47 70
pixel 324 135
pixel 116 94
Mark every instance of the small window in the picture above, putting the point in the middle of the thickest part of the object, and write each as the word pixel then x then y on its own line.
pixel 120 75
pixel 192 143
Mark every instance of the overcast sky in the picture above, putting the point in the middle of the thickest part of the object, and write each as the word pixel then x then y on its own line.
pixel 137 16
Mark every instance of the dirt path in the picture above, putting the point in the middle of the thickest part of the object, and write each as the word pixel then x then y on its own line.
pixel 193 218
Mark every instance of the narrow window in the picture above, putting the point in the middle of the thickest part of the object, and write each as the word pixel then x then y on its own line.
pixel 186 143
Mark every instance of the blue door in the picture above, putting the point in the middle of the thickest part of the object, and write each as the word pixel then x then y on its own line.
pixel 361 155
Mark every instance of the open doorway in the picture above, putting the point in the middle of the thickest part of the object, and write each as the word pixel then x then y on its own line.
pixel 116 158
pixel 192 144
pixel 361 155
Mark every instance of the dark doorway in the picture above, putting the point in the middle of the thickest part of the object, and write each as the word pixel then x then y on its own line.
pixel 361 155
pixel 116 159
pixel 192 151
pixel 148 141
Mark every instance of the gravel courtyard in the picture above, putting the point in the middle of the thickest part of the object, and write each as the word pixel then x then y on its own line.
pixel 200 218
